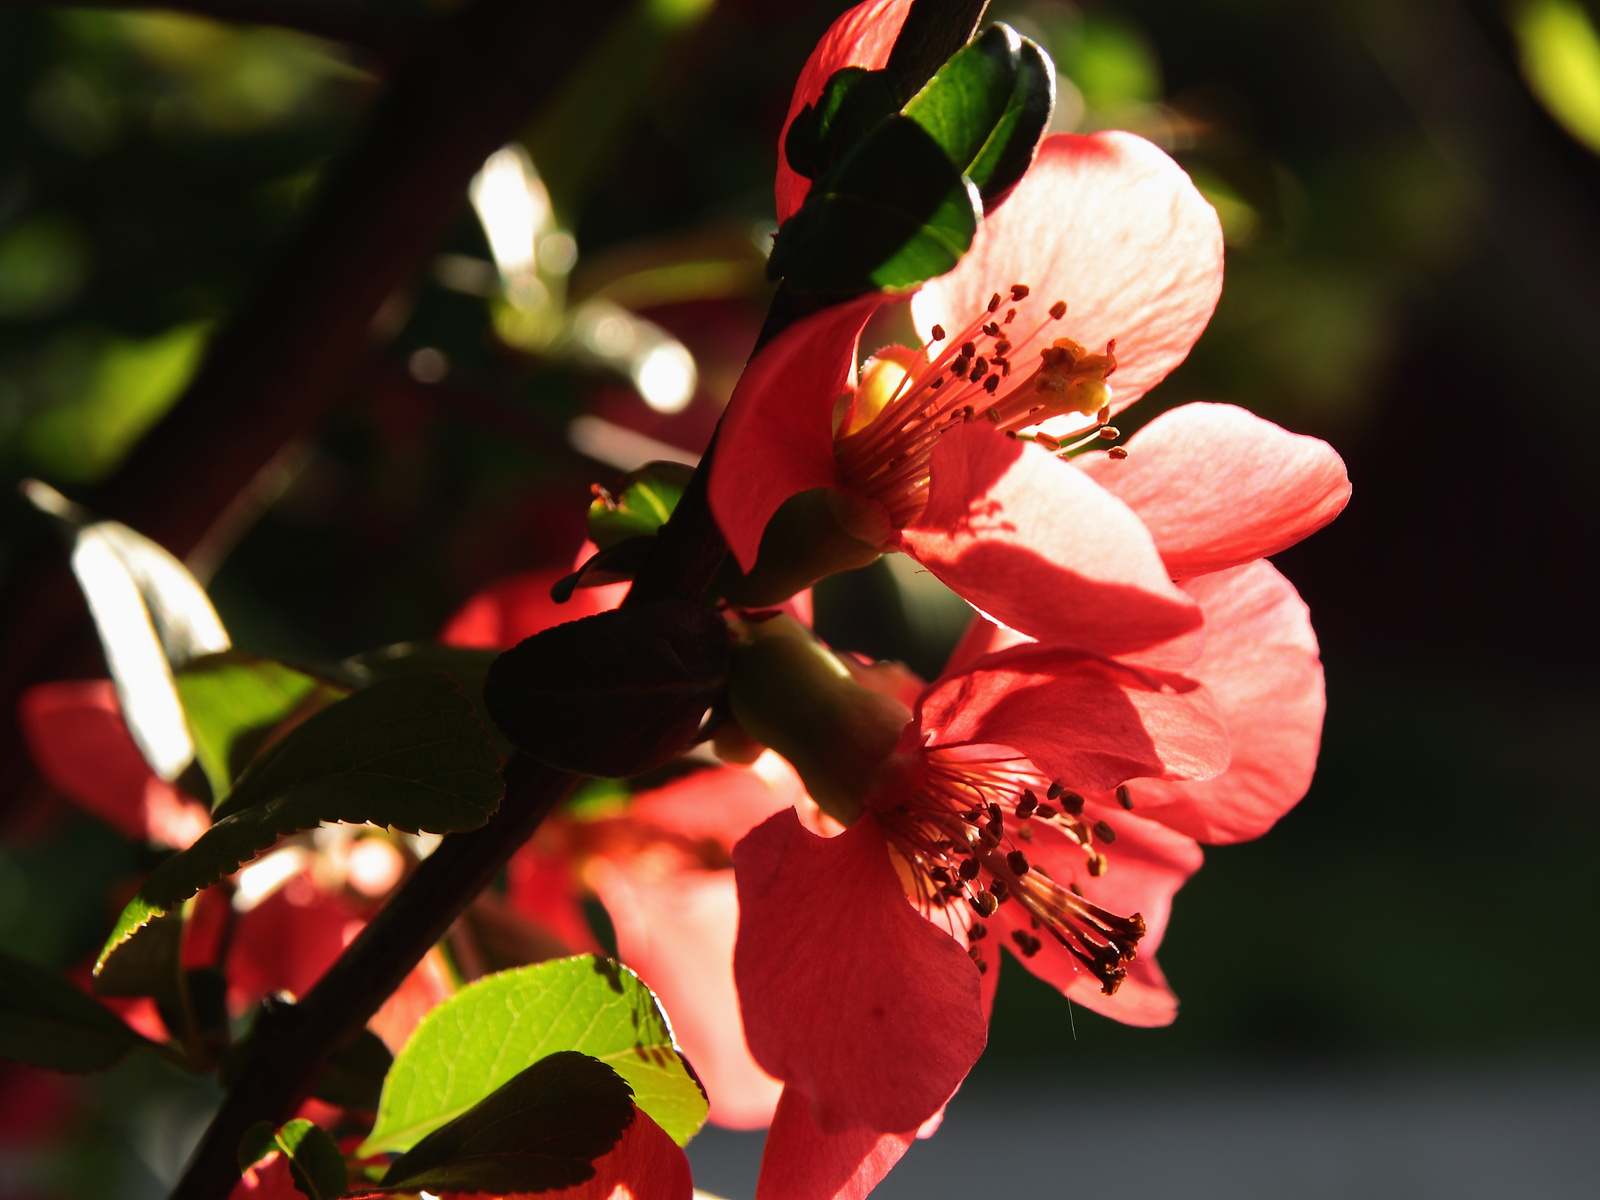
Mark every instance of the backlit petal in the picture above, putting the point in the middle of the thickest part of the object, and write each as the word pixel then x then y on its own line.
pixel 645 1164
pixel 1110 224
pixel 848 993
pixel 520 606
pixel 1038 546
pixel 723 803
pixel 800 1162
pixel 1217 486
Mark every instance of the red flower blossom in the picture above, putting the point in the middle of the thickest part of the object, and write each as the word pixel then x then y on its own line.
pixel 1104 240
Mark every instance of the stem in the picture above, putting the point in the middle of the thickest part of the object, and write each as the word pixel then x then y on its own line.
pixel 294 1046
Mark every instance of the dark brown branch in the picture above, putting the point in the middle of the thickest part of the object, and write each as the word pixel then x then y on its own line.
pixel 373 25
pixel 292 1048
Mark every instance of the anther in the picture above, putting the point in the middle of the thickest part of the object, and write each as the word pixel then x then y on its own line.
pixel 968 349
pixel 1071 803
pixel 1026 942
pixel 1097 864
pixel 992 412
pixel 1001 347
pixel 979 370
pixel 1104 832
pixel 994 811
pixel 992 384
pixel 1124 797
pixel 984 904
pixel 937 333
pixel 1011 315
pixel 1027 804
pixel 992 329
pixel 1051 444
pixel 968 868
pixel 1019 291
pixel 974 953
pixel 1058 310
pixel 999 890
pixel 1044 812
pixel 994 302
pixel 1055 790
pixel 940 874
pixel 1110 433
pixel 1018 862
pixel 978 932
pixel 1117 452
pixel 973 814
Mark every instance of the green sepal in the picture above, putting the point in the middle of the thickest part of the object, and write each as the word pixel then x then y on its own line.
pixel 315 1162
pixel 853 100
pixel 641 506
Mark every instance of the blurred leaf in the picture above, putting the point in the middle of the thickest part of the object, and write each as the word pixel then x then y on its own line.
pixel 355 1077
pixel 988 106
pixel 42 265
pixel 893 213
pixel 646 500
pixel 468 667
pixel 487 1032
pixel 617 563
pixel 148 962
pixel 1560 53
pixel 46 1022
pixel 315 1161
pixel 614 694
pixel 233 701
pixel 538 1132
pixel 129 388
pixel 405 752
pixel 1111 61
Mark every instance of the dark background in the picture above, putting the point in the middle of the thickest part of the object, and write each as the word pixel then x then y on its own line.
pixel 1413 274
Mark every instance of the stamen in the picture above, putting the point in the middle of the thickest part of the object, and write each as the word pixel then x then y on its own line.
pixel 1019 291
pixel 937 333
pixel 1124 797
pixel 1058 310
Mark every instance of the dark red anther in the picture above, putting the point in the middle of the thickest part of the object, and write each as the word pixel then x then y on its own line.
pixel 992 329
pixel 1104 832
pixel 974 953
pixel 1124 797
pixel 1018 862
pixel 994 831
pixel 1071 803
pixel 978 932
pixel 994 811
pixel 1027 804
pixel 1011 315
pixel 1002 346
pixel 1117 452
pixel 1055 790
pixel 968 868
pixel 937 333
pixel 968 349
pixel 1026 942
pixel 1044 812
pixel 984 904
pixel 992 384
pixel 979 370
pixel 1110 433
pixel 1019 291
pixel 1058 310
pixel 973 814
pixel 999 890
pixel 994 302
pixel 1076 890
pixel 940 874
pixel 937 383
pixel 983 967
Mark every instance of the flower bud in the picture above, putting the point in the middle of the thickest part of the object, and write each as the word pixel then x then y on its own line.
pixel 791 693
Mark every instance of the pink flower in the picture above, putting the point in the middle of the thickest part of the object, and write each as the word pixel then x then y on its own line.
pixel 1104 240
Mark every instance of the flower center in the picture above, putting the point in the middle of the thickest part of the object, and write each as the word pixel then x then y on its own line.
pixel 908 399
pixel 958 831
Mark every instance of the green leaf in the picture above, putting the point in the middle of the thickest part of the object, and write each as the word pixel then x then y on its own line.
pixel 469 668
pixel 354 1079
pixel 147 964
pixel 647 498
pixel 540 1131
pixel 406 752
pixel 614 694
pixel 852 102
pixel 46 1022
pixel 234 701
pixel 487 1032
pixel 987 108
pixel 894 213
pixel 315 1161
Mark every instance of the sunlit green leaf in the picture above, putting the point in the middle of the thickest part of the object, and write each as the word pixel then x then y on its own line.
pixel 641 506
pixel 539 1131
pixel 315 1162
pixel 46 1022
pixel 487 1032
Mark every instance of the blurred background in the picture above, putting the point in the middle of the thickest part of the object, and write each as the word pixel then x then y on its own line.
pixel 1392 994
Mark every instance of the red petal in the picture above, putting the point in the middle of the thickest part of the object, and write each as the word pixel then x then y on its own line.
pixel 862 37
pixel 1218 486
pixel 1087 721
pixel 288 941
pixel 644 1165
pixel 848 993
pixel 1261 665
pixel 1114 227
pixel 270 1179
pixel 540 887
pixel 519 606
pixel 777 434
pixel 676 929
pixel 431 982
pixel 1035 544
pixel 722 804
pixel 78 741
pixel 800 1162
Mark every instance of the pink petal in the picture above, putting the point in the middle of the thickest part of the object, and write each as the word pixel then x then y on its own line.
pixel 431 982
pixel 519 606
pixel 77 738
pixel 862 37
pixel 1110 224
pixel 1217 486
pixel 722 804
pixel 540 887
pixel 676 929
pixel 1086 721
pixel 1037 546
pixel 287 942
pixel 1262 667
pixel 800 1162
pixel 776 439
pixel 849 995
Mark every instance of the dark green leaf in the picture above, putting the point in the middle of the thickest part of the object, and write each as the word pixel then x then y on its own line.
pixel 641 506
pixel 315 1162
pixel 406 752
pixel 852 102
pixel 147 964
pixel 617 563
pixel 613 694
pixel 46 1022
pixel 988 107
pixel 893 213
pixel 234 701
pixel 540 1131
pixel 355 1077
pixel 487 1032
pixel 468 667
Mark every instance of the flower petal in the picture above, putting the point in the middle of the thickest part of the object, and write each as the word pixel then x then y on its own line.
pixel 776 438
pixel 540 887
pixel 1033 543
pixel 1261 665
pixel 1217 486
pixel 848 993
pixel 676 929
pixel 800 1162
pixel 520 606
pixel 862 37
pixel 1086 721
pixel 722 804
pixel 1110 224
